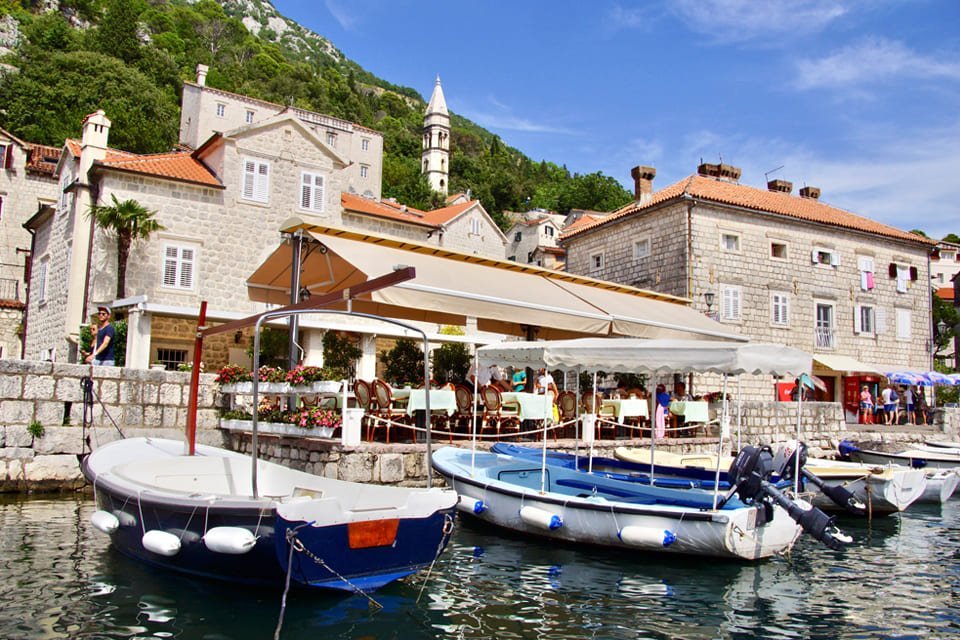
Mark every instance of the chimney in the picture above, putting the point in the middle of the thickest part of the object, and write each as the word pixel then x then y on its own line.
pixel 810 192
pixel 96 130
pixel 782 186
pixel 202 74
pixel 643 183
pixel 725 172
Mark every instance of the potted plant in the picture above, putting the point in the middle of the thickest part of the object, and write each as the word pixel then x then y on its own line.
pixel 272 380
pixel 233 378
pixel 317 379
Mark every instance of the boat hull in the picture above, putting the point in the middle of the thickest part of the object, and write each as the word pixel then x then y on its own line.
pixel 941 486
pixel 340 547
pixel 504 491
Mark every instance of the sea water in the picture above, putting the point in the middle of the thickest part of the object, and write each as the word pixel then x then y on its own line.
pixel 899 579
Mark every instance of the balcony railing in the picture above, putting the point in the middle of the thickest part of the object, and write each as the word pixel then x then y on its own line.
pixel 9 289
pixel 825 338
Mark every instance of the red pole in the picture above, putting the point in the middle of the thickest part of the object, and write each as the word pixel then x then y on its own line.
pixel 195 382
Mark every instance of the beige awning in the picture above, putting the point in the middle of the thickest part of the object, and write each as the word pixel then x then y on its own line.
pixel 503 296
pixel 844 364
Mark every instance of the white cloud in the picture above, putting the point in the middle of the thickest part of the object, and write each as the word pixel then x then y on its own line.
pixel 870 61
pixel 504 119
pixel 743 21
pixel 343 18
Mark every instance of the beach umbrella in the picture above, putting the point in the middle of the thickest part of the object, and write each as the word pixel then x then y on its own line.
pixel 937 378
pixel 955 378
pixel 905 377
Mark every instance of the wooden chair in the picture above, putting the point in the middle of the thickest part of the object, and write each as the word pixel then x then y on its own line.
pixel 387 411
pixel 365 400
pixel 567 406
pixel 593 403
pixel 463 418
pixel 495 416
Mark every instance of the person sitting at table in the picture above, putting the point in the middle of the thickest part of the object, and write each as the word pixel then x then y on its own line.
pixel 519 380
pixel 545 382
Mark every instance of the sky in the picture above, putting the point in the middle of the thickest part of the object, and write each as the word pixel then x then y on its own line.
pixel 860 98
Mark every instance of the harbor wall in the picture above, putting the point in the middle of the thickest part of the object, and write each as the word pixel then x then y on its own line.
pixel 135 402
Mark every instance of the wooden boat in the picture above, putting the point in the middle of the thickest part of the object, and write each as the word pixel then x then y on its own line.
pixel 917 457
pixel 197 514
pixel 562 504
pixel 883 490
pixel 941 485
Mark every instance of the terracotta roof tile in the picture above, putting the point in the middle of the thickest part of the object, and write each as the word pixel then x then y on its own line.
pixel 583 222
pixel 175 165
pixel 945 293
pixel 807 209
pixel 383 208
pixel 12 304
pixel 446 214
pixel 42 158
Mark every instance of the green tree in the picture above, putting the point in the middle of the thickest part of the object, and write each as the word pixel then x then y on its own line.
pixel 451 360
pixel 404 363
pixel 131 222
pixel 116 34
pixel 340 354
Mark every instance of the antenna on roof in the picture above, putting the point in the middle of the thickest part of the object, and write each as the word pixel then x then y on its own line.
pixel 766 176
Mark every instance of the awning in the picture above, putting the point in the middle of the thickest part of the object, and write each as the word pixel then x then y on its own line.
pixel 504 297
pixel 845 364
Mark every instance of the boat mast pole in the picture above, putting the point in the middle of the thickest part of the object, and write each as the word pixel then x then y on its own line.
pixel 195 382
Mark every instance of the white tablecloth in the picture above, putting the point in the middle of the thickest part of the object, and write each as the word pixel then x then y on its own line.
pixel 440 400
pixel 691 410
pixel 533 406
pixel 628 408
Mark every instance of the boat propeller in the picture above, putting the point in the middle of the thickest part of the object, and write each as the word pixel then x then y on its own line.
pixel 749 477
pixel 785 464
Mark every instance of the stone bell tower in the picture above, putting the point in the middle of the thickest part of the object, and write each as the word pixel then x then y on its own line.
pixel 436 141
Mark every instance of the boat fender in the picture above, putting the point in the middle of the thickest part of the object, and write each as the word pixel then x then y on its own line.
pixel 104 521
pixel 479 507
pixel 229 540
pixel 540 518
pixel 161 543
pixel 647 536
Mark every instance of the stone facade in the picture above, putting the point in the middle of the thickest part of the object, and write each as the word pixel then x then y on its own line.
pixel 532 236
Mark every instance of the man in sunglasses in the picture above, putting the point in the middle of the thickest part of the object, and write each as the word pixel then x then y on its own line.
pixel 103 344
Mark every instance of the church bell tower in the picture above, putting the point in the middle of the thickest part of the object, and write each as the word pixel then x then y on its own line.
pixel 436 141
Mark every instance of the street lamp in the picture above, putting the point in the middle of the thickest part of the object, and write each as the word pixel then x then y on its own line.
pixel 708 298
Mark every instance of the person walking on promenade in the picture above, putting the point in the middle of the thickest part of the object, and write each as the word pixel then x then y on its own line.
pixel 887 396
pixel 866 406
pixel 104 342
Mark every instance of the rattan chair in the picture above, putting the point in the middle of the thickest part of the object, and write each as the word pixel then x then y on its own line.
pixel 495 415
pixel 388 414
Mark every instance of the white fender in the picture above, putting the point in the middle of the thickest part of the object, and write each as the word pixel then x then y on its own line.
pixel 648 537
pixel 230 540
pixel 539 518
pixel 104 521
pixel 161 543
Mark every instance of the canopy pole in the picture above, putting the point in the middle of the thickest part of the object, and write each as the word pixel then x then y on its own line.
pixel 195 382
pixel 724 422
pixel 739 415
pixel 596 411
pixel 796 470
pixel 473 413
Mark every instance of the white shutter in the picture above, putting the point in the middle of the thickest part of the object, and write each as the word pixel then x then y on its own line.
pixel 42 282
pixel 249 177
pixel 306 189
pixel 261 191
pixel 903 324
pixel 880 321
pixel 731 303
pixel 857 319
pixel 171 254
pixel 835 258
pixel 814 256
pixel 318 193
pixel 186 268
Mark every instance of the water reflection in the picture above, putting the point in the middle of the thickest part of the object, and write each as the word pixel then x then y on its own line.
pixel 900 578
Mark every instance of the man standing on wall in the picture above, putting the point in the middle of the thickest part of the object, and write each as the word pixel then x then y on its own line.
pixel 103 344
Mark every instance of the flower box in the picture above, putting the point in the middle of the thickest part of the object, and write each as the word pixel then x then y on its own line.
pixel 277 428
pixel 324 386
pixel 263 387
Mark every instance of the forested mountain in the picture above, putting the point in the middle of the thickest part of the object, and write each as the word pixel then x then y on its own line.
pixel 130 58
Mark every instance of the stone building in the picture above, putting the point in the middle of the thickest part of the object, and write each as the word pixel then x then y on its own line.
pixel 777 267
pixel 532 239
pixel 26 184
pixel 221 205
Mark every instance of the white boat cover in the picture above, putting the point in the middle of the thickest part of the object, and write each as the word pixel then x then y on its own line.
pixel 631 355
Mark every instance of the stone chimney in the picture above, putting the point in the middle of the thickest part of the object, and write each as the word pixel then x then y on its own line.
pixel 202 70
pixel 643 183
pixel 93 142
pixel 725 172
pixel 810 192
pixel 781 186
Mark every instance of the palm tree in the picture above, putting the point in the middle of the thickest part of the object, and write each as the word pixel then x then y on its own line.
pixel 131 221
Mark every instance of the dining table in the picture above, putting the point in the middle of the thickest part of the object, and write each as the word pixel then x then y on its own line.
pixel 627 407
pixel 416 400
pixel 691 410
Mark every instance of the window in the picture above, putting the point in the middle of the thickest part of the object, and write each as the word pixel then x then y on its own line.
pixel 828 257
pixel 947 255
pixel 365 144
pixel 221 110
pixel 41 281
pixel 170 358
pixel 779 308
pixel 903 276
pixel 865 265
pixel 331 138
pixel 179 264
pixel 249 116
pixel 548 230
pixel 824 327
pixel 730 303
pixel 256 180
pixel 364 170
pixel 475 226
pixel 864 319
pixel 903 324
pixel 64 194
pixel 311 191
pixel 6 156
pixel 518 236
pixel 778 250
pixel 596 263
pixel 1 208
pixel 730 242
pixel 641 248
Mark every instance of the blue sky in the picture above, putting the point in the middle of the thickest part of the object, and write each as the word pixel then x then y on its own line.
pixel 858 97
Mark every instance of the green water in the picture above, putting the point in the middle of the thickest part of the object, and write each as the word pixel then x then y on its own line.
pixel 900 579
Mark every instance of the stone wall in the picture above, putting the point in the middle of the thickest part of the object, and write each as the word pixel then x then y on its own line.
pixel 135 402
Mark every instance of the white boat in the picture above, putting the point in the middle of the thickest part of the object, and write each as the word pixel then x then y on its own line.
pixel 556 500
pixel 941 485
pixel 917 456
pixel 567 505
pixel 882 489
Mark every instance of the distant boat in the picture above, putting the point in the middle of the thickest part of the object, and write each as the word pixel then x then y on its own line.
pixel 917 456
pixel 197 515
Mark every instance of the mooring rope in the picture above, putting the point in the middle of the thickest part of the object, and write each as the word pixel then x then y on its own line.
pixel 447 530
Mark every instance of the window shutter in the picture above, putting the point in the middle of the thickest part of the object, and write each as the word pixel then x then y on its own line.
pixel 880 318
pixel 814 256
pixel 262 184
pixel 170 267
pixel 186 268
pixel 318 193
pixel 249 176
pixel 914 273
pixel 857 319
pixel 305 191
pixel 6 156
pixel 892 271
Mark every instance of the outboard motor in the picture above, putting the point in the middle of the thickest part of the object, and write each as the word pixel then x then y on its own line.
pixel 785 466
pixel 846 447
pixel 750 479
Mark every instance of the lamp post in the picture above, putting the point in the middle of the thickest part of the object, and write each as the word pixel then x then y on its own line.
pixel 708 297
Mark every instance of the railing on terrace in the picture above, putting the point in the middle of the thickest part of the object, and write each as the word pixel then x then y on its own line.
pixel 825 338
pixel 9 289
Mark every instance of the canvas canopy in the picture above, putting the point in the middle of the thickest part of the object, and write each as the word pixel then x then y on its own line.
pixel 627 355
pixel 503 296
